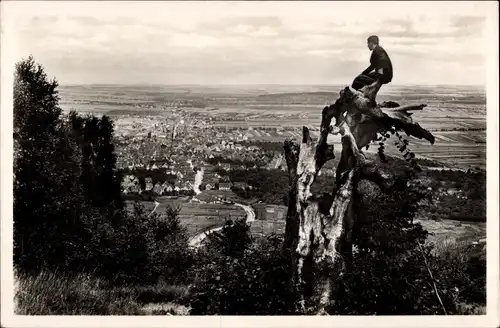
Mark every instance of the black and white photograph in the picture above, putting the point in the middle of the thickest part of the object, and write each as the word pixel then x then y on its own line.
pixel 290 162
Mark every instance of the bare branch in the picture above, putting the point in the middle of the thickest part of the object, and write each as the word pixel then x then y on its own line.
pixel 408 107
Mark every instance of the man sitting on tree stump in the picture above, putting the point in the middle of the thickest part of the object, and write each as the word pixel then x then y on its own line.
pixel 380 66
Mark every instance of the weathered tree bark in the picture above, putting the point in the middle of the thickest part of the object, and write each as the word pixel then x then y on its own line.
pixel 318 229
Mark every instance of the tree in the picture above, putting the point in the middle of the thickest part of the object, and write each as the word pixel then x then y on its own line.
pixel 100 178
pixel 233 240
pixel 318 231
pixel 47 195
pixel 65 182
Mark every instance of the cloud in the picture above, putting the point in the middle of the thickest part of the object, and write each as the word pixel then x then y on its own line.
pixel 273 47
pixel 229 23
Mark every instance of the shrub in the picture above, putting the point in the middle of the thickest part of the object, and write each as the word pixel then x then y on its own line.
pixel 461 270
pixel 233 239
pixel 144 248
pixel 388 273
pixel 245 280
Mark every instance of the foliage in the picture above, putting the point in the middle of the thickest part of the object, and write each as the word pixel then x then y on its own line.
pixel 461 268
pixel 232 240
pixel 99 177
pixel 264 145
pixel 47 195
pixel 459 195
pixel 259 162
pixel 401 143
pixel 242 278
pixel 388 274
pixel 268 185
pixel 68 210
pixel 143 248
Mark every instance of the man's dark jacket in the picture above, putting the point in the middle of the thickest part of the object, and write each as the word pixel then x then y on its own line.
pixel 380 59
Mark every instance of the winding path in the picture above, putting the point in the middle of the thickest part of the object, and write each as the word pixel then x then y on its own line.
pixel 197 239
pixel 154 209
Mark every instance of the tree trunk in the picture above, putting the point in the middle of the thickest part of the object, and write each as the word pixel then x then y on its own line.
pixel 318 229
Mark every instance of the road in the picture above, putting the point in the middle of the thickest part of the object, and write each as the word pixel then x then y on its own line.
pixel 154 209
pixel 196 240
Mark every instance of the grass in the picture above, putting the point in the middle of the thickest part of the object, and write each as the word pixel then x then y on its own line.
pixel 51 293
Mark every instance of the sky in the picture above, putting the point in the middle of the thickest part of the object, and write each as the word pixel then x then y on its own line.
pixel 249 42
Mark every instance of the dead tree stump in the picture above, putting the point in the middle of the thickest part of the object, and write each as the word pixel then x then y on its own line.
pixel 318 229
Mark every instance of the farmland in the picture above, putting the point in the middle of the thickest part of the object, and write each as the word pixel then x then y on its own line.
pixel 455 114
pixel 198 217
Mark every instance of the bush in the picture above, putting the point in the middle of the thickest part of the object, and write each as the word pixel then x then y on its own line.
pixel 144 248
pixel 247 279
pixel 233 240
pixel 461 270
pixel 388 272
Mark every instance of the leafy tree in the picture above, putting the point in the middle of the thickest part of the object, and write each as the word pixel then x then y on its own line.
pixel 47 195
pixel 232 240
pixel 241 278
pixel 100 178
pixel 64 177
pixel 146 247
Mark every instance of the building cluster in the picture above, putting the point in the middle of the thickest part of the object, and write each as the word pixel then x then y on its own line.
pixel 180 146
pixel 131 184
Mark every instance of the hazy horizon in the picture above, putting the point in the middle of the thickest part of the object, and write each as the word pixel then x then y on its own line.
pixel 263 84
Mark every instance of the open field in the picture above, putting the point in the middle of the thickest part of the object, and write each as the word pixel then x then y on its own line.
pixel 198 217
pixel 452 231
pixel 441 232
